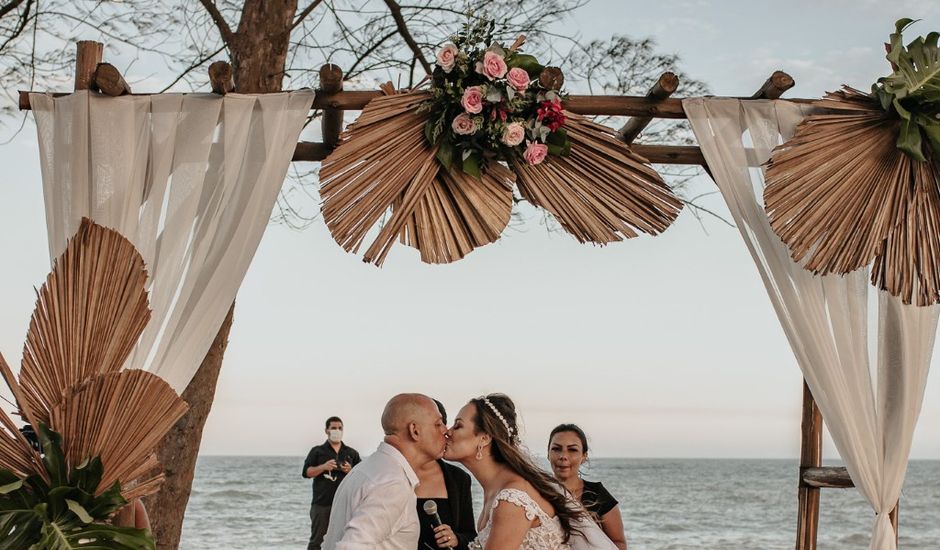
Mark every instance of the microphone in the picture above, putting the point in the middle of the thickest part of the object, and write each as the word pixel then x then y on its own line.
pixel 430 508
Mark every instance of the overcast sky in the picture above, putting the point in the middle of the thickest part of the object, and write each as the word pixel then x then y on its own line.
pixel 664 347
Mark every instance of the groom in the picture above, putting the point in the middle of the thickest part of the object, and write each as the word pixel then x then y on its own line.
pixel 375 506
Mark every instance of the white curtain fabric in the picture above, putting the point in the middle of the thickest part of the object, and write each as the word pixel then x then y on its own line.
pixel 190 179
pixel 869 403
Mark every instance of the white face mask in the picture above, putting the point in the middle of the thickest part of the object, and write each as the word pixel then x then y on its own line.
pixel 336 436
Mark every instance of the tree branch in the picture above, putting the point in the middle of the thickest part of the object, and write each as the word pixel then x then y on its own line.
pixel 395 10
pixel 195 65
pixel 24 20
pixel 303 15
pixel 227 35
pixel 10 6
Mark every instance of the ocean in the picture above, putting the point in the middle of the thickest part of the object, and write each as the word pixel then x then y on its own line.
pixel 263 503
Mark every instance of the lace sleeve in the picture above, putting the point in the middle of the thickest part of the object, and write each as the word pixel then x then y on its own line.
pixel 521 499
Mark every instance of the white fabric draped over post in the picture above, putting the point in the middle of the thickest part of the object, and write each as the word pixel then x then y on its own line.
pixel 190 179
pixel 869 405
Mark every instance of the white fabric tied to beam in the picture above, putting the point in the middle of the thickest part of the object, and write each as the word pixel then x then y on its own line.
pixel 870 415
pixel 190 179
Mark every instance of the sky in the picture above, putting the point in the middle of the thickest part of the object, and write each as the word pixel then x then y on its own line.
pixel 657 347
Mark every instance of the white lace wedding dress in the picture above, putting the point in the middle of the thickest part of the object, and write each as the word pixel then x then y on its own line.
pixel 547 535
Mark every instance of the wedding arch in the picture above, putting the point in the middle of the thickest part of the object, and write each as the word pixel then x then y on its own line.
pixel 198 244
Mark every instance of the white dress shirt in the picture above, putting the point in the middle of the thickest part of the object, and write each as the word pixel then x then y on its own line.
pixel 375 507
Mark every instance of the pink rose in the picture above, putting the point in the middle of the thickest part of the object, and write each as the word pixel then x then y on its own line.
pixel 513 134
pixel 494 66
pixel 518 78
pixel 535 153
pixel 464 125
pixel 472 99
pixel 447 57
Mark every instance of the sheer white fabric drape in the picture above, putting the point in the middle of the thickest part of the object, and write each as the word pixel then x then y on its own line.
pixel 190 179
pixel 870 405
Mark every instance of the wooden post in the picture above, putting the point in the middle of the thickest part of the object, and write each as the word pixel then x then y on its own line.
pixel 667 84
pixel 775 86
pixel 331 82
pixel 810 457
pixel 87 57
pixel 221 77
pixel 108 80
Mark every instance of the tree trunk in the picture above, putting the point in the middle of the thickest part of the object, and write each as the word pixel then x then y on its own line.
pixel 259 55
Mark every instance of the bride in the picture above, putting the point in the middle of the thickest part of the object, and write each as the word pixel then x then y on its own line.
pixel 524 507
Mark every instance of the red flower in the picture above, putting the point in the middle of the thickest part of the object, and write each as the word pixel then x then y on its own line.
pixel 551 114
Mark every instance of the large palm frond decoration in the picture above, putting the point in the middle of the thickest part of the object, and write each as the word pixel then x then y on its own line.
pixel 859 182
pixel 384 172
pixel 98 424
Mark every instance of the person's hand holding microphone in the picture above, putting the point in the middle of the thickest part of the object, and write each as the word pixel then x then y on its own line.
pixel 443 534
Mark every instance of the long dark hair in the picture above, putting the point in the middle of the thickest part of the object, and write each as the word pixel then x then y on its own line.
pixel 506 450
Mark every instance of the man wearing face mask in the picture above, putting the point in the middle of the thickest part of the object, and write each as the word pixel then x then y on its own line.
pixel 327 464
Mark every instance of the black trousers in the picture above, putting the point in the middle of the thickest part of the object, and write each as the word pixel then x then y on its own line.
pixel 319 521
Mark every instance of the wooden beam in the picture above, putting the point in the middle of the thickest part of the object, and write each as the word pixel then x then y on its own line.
pixel 775 86
pixel 108 80
pixel 810 457
pixel 311 151
pixel 664 87
pixel 87 56
pixel 835 477
pixel 331 123
pixel 221 77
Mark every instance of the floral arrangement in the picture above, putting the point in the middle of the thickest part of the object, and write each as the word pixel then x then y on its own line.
pixel 490 102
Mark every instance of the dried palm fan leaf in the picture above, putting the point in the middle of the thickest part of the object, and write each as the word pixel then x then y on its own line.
pixel 909 264
pixel 89 314
pixel 859 182
pixel 602 191
pixel 16 454
pixel 460 213
pixel 120 417
pixel 834 190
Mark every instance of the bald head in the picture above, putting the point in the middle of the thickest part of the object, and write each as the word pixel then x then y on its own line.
pixel 405 409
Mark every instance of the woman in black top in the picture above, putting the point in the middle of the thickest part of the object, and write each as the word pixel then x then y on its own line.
pixel 567 450
pixel 449 487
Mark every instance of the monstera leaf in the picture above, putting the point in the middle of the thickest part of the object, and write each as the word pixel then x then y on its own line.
pixel 913 90
pixel 63 513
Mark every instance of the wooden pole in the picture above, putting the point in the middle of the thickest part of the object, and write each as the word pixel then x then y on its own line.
pixel 108 80
pixel 664 87
pixel 810 457
pixel 331 123
pixel 87 56
pixel 221 77
pixel 778 83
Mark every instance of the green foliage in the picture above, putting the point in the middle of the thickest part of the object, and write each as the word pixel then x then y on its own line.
pixel 913 90
pixel 63 514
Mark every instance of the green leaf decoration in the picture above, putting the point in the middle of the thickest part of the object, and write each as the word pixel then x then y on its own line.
pixel 526 62
pixel 445 153
pixel 909 139
pixel 471 166
pixel 64 515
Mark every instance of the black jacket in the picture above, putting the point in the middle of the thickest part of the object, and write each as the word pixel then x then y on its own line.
pixel 460 499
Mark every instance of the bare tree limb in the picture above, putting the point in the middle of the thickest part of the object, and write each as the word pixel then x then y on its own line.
pixel 395 10
pixel 195 65
pixel 24 20
pixel 303 15
pixel 227 35
pixel 9 6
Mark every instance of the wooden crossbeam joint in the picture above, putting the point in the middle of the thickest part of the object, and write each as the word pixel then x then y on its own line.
pixel 664 87
pixel 221 77
pixel 775 86
pixel 108 80
pixel 331 123
pixel 88 54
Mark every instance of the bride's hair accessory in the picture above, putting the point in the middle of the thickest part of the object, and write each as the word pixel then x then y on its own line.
pixel 513 435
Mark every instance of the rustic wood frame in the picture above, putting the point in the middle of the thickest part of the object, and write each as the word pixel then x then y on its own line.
pixel 91 73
